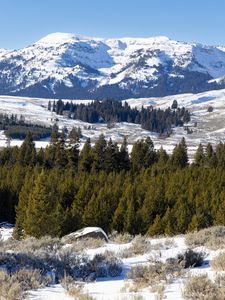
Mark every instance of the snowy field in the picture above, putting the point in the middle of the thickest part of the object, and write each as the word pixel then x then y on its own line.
pixel 116 288
pixel 210 125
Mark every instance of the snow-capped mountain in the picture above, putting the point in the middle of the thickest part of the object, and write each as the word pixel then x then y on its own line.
pixel 71 66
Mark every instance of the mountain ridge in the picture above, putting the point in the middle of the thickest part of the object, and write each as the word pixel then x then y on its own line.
pixel 64 65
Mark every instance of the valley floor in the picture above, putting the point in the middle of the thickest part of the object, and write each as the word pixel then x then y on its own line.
pixel 206 126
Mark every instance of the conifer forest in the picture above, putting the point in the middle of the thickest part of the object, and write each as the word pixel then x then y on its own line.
pixel 60 189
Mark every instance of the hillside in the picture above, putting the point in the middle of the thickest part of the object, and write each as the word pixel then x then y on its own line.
pixel 210 125
pixel 63 65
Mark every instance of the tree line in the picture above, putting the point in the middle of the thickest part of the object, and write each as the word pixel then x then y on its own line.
pixel 60 189
pixel 109 111
pixel 17 128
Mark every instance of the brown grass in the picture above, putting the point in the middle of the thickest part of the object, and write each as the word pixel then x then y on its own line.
pixel 212 238
pixel 218 262
pixel 202 288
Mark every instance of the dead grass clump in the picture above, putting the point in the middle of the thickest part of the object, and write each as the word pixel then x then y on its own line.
pixel 212 238
pixel 202 288
pixel 218 262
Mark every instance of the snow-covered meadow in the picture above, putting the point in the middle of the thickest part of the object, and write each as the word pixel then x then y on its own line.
pixel 140 251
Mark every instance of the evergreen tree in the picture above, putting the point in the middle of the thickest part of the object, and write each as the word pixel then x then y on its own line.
pixel 27 152
pixel 98 212
pixel 174 104
pixel 86 158
pixel 22 205
pixel 43 215
pixel 123 157
pixel 210 156
pixel 179 158
pixel 200 156
pixel 163 158
pixel 98 152
pixel 61 154
pixel 111 157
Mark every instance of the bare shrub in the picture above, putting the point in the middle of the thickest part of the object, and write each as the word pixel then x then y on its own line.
pixel 201 288
pixel 87 243
pixel 121 238
pixel 212 238
pixel 218 262
pixel 30 279
pixel 14 286
pixel 106 265
pixel 73 288
pixel 139 246
pixel 114 268
pixel 163 245
pixel 191 258
pixel 153 274
pixel 33 245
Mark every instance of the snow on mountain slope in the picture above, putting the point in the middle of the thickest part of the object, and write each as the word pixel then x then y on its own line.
pixel 63 65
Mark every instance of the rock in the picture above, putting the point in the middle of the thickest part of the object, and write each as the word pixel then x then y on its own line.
pixel 87 232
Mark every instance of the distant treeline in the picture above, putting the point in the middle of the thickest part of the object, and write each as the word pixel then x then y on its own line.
pixel 17 128
pixel 109 111
pixel 60 189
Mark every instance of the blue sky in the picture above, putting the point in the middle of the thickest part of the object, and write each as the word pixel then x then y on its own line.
pixel 23 22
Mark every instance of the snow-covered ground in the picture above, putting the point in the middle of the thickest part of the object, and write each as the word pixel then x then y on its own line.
pixel 210 125
pixel 115 288
pixel 6 231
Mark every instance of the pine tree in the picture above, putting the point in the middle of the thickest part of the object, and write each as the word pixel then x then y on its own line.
pixel 98 152
pixel 22 206
pixel 43 214
pixel 163 158
pixel 210 156
pixel 174 104
pixel 200 156
pixel 157 227
pixel 50 105
pixel 98 212
pixel 111 157
pixel 86 158
pixel 60 153
pixel 27 152
pixel 123 157
pixel 130 222
pixel 179 157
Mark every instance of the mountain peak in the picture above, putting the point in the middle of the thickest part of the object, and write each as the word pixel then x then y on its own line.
pixel 60 38
pixel 66 65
